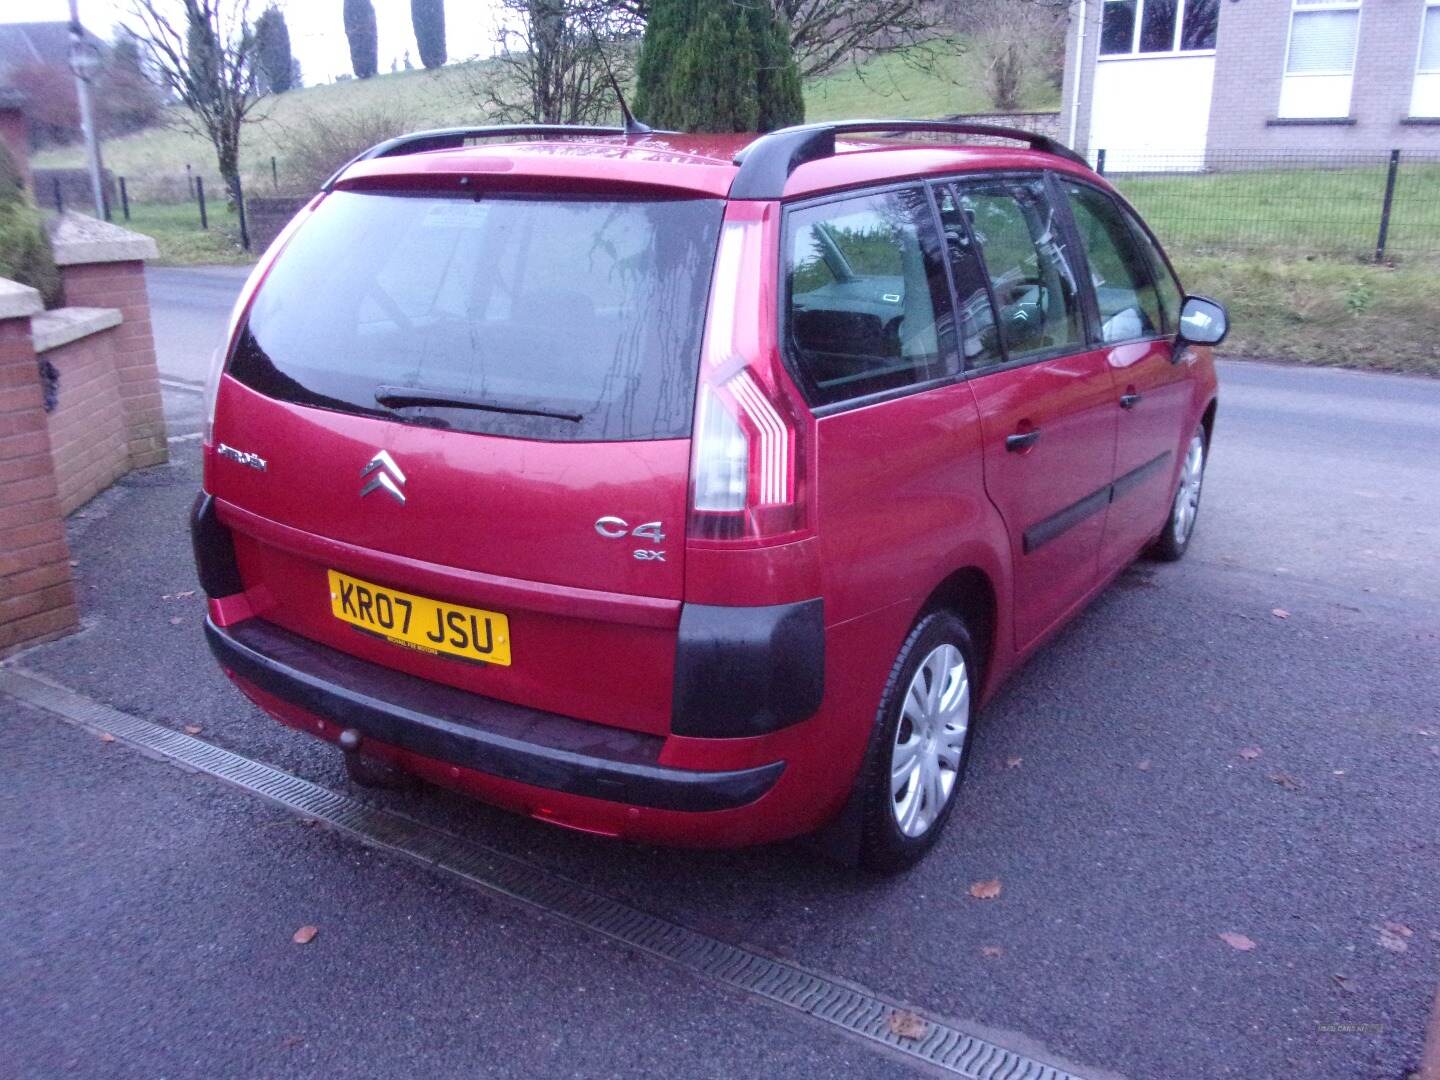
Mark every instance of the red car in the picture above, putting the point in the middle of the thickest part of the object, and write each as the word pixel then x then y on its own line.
pixel 692 489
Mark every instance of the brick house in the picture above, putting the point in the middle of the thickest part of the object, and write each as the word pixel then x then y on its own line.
pixel 1197 80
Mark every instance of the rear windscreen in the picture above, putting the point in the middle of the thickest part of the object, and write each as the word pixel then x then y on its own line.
pixel 554 318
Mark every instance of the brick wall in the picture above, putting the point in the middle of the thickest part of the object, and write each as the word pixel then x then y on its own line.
pixel 37 598
pixel 1249 63
pixel 1041 123
pixel 87 429
pixel 122 285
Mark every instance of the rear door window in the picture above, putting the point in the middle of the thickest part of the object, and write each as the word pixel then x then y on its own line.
pixel 1121 272
pixel 555 318
pixel 868 305
pixel 1023 247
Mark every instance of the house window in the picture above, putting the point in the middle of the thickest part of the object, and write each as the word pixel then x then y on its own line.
pixel 1425 98
pixel 1320 60
pixel 1137 27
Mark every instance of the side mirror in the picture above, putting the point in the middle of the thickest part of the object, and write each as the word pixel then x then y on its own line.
pixel 1202 322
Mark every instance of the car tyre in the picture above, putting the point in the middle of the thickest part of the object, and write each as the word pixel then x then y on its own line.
pixel 1174 539
pixel 920 744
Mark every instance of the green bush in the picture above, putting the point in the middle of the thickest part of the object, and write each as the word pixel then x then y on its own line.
pixel 717 66
pixel 25 254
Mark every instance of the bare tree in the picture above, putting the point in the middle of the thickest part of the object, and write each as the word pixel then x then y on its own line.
pixel 1016 43
pixel 828 34
pixel 552 62
pixel 218 87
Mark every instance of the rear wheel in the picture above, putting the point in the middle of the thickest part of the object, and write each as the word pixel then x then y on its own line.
pixel 1185 507
pixel 920 745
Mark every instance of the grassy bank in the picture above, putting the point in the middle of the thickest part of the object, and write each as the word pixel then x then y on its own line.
pixel 154 161
pixel 1324 311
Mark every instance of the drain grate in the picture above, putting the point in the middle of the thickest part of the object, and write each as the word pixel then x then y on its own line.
pixel 852 1010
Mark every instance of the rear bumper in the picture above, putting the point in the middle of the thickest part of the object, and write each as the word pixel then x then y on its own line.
pixel 466 731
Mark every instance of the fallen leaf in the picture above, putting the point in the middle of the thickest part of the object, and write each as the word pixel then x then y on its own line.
pixel 986 890
pixel 991 950
pixel 1285 780
pixel 1250 753
pixel 1344 983
pixel 907 1025
pixel 1338 772
pixel 105 736
pixel 1237 941
pixel 1393 942
pixel 192 729
pixel 176 620
pixel 1398 928
pixel 1280 613
pixel 183 595
pixel 1143 764
pixel 305 935
pixel 291 1041
pixel 74 562
pixel 1013 762
pixel 306 822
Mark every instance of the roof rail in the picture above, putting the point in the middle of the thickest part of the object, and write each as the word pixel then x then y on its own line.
pixel 767 162
pixel 450 138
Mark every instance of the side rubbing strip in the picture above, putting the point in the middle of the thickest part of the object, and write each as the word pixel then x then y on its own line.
pixel 1042 532
pixel 1135 477
pixel 841 1005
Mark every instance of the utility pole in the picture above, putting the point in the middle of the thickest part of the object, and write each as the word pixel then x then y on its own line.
pixel 84 63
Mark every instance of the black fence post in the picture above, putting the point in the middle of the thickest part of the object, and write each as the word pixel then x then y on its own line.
pixel 200 193
pixel 240 207
pixel 274 174
pixel 1389 202
pixel 1100 162
pixel 59 197
pixel 124 199
pixel 189 182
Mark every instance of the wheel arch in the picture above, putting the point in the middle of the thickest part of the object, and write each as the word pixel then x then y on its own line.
pixel 970 593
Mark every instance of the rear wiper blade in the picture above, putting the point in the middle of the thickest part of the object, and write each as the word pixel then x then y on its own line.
pixel 401 397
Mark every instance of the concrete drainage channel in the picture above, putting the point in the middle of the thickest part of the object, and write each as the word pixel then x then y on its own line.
pixel 853 1011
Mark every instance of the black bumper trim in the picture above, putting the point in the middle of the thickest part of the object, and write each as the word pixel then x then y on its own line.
pixel 746 671
pixel 451 726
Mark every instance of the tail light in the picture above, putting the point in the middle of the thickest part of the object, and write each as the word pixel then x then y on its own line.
pixel 745 476
pixel 252 284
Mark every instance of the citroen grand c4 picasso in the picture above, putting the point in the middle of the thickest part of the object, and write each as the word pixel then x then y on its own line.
pixel 692 489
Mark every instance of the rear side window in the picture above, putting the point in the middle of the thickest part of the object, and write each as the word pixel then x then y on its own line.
pixel 868 303
pixel 1120 269
pixel 1023 248
pixel 555 318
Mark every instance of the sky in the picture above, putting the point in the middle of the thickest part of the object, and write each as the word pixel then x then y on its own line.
pixel 317 35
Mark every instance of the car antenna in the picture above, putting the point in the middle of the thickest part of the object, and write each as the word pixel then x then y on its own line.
pixel 632 126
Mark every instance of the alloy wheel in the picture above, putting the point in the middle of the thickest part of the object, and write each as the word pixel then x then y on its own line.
pixel 1187 499
pixel 929 740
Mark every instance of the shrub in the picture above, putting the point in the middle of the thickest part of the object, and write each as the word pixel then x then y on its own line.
pixel 25 254
pixel 717 66
pixel 319 145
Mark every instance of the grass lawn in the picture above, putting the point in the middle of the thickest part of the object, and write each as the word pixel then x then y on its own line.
pixel 1323 311
pixel 1294 212
pixel 177 232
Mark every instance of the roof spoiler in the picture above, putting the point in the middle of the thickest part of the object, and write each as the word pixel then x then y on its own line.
pixel 767 162
pixel 452 138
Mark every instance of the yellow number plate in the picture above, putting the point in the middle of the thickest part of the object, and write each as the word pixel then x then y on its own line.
pixel 416 622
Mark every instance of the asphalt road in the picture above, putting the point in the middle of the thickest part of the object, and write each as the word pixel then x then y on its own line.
pixel 146 914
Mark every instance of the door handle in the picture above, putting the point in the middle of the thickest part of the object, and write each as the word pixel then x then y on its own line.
pixel 1129 401
pixel 1022 440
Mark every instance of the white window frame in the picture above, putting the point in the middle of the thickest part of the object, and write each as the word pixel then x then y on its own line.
pixel 1427 80
pixel 1289 87
pixel 1134 53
